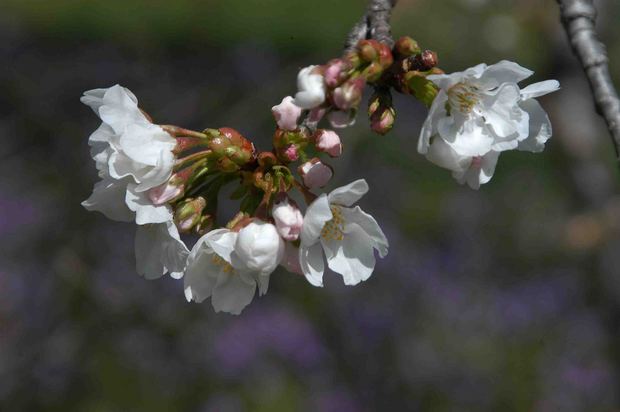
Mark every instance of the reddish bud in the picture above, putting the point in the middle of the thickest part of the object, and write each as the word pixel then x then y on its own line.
pixel 406 46
pixel 368 50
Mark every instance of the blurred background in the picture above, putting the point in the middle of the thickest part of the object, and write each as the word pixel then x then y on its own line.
pixel 507 298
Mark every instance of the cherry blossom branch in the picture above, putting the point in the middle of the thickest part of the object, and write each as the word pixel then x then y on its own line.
pixel 375 24
pixel 578 18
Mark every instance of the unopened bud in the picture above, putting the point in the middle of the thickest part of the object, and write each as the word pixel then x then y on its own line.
pixel 381 112
pixel 230 148
pixel 383 121
pixel 315 173
pixel 188 213
pixel 336 72
pixel 353 59
pixel 423 89
pixel 173 189
pixel 290 153
pixel 368 50
pixel 385 56
pixel 329 142
pixel 406 46
pixel 287 217
pixel 373 72
pixel 349 94
pixel 425 60
pixel 287 114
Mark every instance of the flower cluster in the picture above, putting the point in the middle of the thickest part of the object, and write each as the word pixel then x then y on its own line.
pixel 167 179
pixel 480 113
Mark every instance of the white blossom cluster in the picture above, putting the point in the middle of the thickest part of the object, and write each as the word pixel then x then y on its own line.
pixel 476 115
pixel 135 158
pixel 480 113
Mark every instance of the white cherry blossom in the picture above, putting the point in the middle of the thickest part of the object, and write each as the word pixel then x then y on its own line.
pixel 214 270
pixel 311 88
pixel 346 235
pixel 480 113
pixel 132 156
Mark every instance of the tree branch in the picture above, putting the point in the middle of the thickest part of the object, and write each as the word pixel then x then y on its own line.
pixel 375 24
pixel 578 18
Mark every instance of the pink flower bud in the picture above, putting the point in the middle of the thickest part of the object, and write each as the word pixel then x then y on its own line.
pixel 291 154
pixel 315 173
pixel 329 142
pixel 165 193
pixel 349 94
pixel 383 121
pixel 335 72
pixel 288 218
pixel 287 114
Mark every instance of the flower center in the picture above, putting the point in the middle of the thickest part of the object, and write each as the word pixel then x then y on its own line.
pixel 334 229
pixel 463 97
pixel 226 267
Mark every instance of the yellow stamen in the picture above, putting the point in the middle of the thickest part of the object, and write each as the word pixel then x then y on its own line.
pixel 463 97
pixel 334 229
pixel 217 260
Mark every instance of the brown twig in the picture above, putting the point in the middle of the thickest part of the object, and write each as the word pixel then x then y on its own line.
pixel 578 18
pixel 375 24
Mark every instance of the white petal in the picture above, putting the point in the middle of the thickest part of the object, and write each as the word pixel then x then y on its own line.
pixel 232 293
pixel 505 72
pixel 540 89
pixel 441 154
pixel 540 127
pixel 472 138
pixel 159 250
pixel 201 273
pixel 353 257
pixel 312 265
pixel 222 241
pixel 144 143
pixel 146 211
pixel 120 109
pixel 317 214
pixel 349 194
pixel 503 114
pixel 436 112
pixel 108 197
pixel 369 225
pixel 476 176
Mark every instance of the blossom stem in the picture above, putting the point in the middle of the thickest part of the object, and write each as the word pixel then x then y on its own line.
pixel 578 19
pixel 177 131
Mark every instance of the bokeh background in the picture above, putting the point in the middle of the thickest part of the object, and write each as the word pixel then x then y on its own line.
pixel 507 298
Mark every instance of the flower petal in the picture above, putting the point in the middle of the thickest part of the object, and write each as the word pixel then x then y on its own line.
pixel 232 293
pixel 159 250
pixel 540 127
pixel 540 89
pixel 349 194
pixel 312 265
pixel 108 197
pixel 477 175
pixel 436 112
pixel 505 72
pixel 353 257
pixel 317 214
pixel 369 225
pixel 146 211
